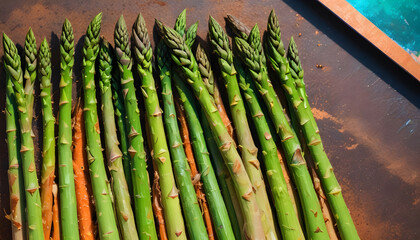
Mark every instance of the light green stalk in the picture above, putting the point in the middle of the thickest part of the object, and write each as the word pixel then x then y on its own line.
pixel 33 199
pixel 103 202
pixel 16 186
pixel 121 120
pixel 141 187
pixel 249 151
pixel 217 206
pixel 48 143
pixel 292 79
pixel 288 220
pixel 113 153
pixel 314 222
pixel 30 70
pixel 181 55
pixel 192 212
pixel 252 36
pixel 68 206
pixel 170 197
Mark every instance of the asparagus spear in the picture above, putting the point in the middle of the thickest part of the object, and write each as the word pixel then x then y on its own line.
pixel 142 198
pixel 68 206
pixel 283 200
pixel 170 200
pixel 194 220
pixel 292 79
pixel 181 55
pixel 48 145
pixel 113 153
pixel 55 216
pixel 121 119
pixel 104 209
pixel 219 215
pixel 249 151
pixel 157 206
pixel 315 226
pixel 82 183
pixel 30 70
pixel 218 206
pixel 33 200
pixel 326 211
pixel 194 174
pixel 288 220
pixel 16 188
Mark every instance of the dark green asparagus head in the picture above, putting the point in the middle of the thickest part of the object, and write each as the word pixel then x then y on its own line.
pixel 205 69
pixel 122 43
pixel 181 27
pixel 142 47
pixel 30 53
pixel 180 53
pixel 105 64
pixel 44 64
pixel 191 34
pixel 250 57
pixel 13 67
pixel 67 46
pixel 254 41
pixel 274 46
pixel 91 47
pixel 274 43
pixel 163 59
pixel 221 46
pixel 238 28
pixel 181 22
pixel 293 57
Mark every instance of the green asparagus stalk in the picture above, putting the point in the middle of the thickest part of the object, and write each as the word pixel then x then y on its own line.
pixel 170 197
pixel 181 55
pixel 314 223
pixel 30 70
pixel 16 187
pixel 48 144
pixel 142 199
pixel 68 206
pixel 264 131
pixel 121 120
pixel 192 212
pixel 249 151
pixel 104 208
pixel 288 220
pixel 218 211
pixel 33 200
pixel 291 78
pixel 113 153
pixel 217 206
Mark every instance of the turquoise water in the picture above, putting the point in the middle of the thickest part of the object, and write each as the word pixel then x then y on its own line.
pixel 399 19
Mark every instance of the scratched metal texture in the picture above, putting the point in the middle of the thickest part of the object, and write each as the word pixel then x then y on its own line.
pixel 367 108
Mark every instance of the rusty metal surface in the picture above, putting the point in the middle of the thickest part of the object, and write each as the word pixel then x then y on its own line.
pixel 368 109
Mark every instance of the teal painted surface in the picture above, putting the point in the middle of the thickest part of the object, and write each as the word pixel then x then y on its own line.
pixel 399 19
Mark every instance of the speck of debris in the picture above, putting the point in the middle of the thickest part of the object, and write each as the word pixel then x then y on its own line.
pixel 316 32
pixel 319 44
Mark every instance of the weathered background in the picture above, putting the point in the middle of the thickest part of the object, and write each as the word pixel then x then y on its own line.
pixel 367 107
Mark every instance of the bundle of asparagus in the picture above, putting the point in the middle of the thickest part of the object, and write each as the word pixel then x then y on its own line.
pixel 209 176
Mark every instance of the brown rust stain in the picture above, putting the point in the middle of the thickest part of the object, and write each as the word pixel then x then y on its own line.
pixel 365 215
pixel 386 156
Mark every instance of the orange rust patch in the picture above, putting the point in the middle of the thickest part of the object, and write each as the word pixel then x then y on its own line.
pixel 352 147
pixel 236 166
